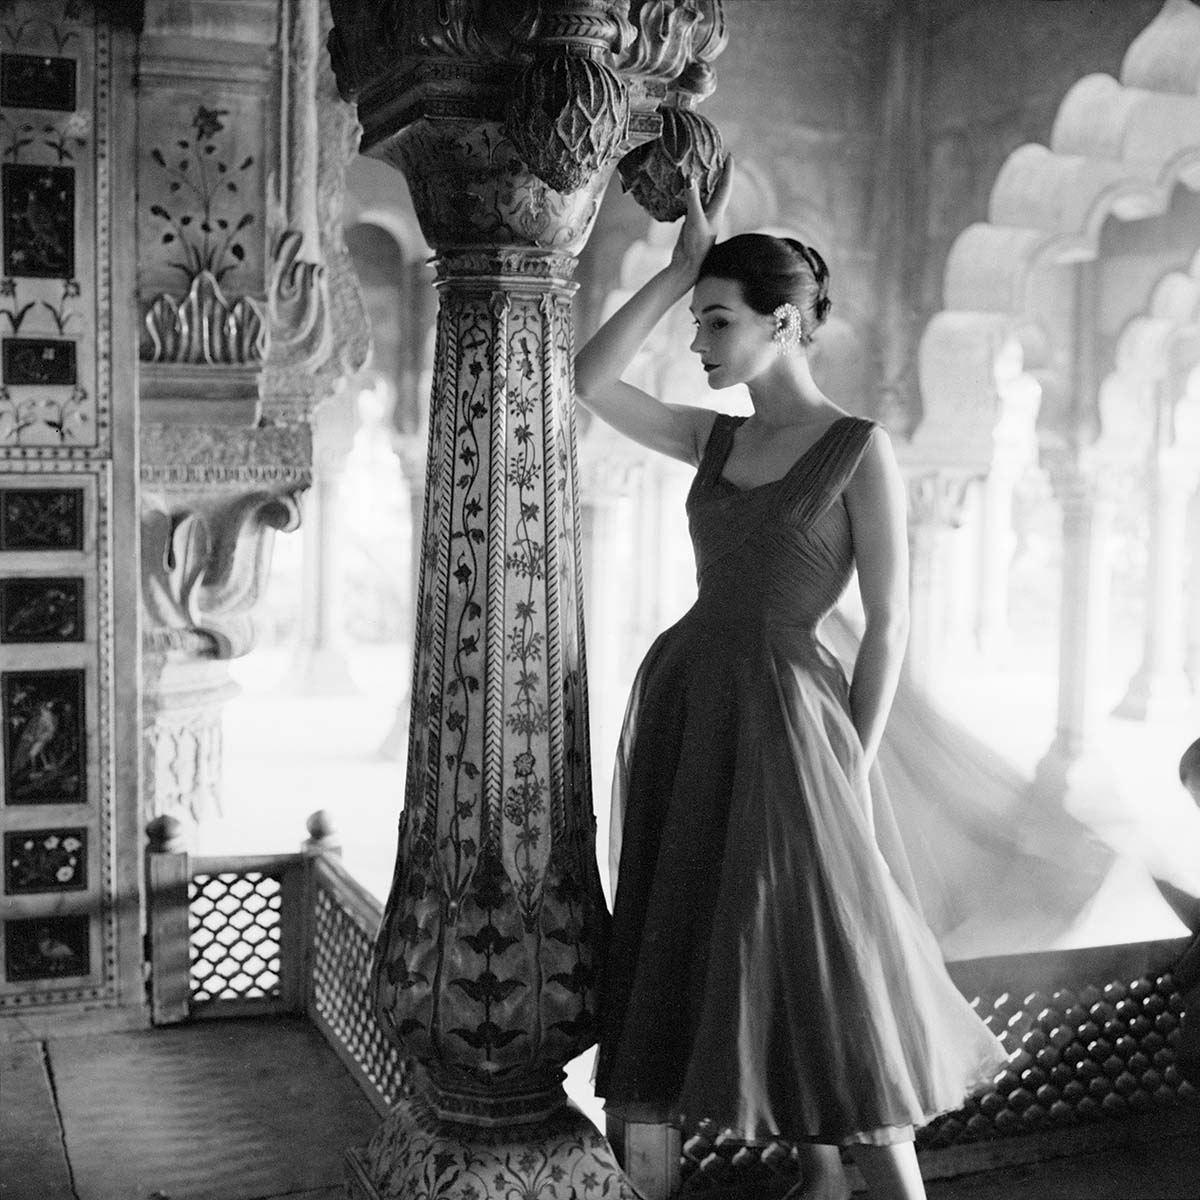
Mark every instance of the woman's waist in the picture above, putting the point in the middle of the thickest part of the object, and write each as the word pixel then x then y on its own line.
pixel 737 612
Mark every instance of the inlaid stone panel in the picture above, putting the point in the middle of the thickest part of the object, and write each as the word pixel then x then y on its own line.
pixel 44 741
pixel 38 220
pixel 45 860
pixel 37 81
pixel 39 362
pixel 46 948
pixel 41 610
pixel 41 518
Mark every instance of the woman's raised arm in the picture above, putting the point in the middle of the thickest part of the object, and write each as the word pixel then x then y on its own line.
pixel 675 430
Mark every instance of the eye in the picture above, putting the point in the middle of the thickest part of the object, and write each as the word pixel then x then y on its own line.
pixel 718 323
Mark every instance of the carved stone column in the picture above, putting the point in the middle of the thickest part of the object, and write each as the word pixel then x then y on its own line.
pixel 250 317
pixel 506 120
pixel 1161 686
pixel 322 661
pixel 1082 489
pixel 935 506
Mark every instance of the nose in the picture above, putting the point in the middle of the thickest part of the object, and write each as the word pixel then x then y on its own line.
pixel 698 342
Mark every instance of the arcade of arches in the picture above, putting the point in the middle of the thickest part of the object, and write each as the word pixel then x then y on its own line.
pixel 236 346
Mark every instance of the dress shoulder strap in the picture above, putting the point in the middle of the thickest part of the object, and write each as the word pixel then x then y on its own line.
pixel 716 449
pixel 830 469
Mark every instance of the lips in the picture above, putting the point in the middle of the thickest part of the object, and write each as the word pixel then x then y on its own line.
pixel 710 367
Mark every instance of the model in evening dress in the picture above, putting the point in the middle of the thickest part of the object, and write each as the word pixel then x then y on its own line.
pixel 769 966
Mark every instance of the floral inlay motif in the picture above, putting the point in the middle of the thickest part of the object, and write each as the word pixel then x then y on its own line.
pixel 205 224
pixel 527 718
pixel 202 225
pixel 45 860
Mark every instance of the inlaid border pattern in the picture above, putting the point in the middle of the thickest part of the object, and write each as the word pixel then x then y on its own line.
pixel 89 464
pixel 96 480
pixel 93 56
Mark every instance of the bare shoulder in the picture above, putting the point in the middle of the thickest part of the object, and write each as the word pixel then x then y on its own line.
pixel 878 473
pixel 878 453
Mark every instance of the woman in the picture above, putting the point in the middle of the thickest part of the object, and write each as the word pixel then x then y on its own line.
pixel 768 967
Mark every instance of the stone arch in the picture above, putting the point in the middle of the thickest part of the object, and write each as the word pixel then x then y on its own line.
pixel 1118 149
pixel 1150 406
pixel 1036 285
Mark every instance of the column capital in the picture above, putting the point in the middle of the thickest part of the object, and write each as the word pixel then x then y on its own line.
pixel 527 108
pixel 937 498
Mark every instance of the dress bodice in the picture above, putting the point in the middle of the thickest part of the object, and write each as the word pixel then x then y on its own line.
pixel 780 553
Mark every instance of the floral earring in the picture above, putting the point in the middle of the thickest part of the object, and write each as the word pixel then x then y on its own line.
pixel 789 329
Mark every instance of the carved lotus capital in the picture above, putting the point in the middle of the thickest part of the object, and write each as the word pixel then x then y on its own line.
pixel 565 87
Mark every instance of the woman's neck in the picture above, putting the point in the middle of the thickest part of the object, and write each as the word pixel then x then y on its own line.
pixel 787 394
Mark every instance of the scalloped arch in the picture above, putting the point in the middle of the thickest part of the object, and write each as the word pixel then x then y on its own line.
pixel 1163 339
pixel 1118 148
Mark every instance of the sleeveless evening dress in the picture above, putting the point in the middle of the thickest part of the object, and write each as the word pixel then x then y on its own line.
pixel 768 967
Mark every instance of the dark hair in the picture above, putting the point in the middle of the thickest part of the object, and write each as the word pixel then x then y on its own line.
pixel 774 271
pixel 1189 762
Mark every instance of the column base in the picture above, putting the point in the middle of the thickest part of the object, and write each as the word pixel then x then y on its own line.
pixel 414 1153
pixel 1156 696
pixel 1076 783
pixel 649 1150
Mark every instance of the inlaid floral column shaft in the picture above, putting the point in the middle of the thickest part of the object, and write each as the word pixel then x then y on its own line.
pixel 507 120
pixel 485 965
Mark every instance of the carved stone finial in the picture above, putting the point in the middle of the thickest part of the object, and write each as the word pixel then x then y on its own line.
pixel 164 834
pixel 568 118
pixel 658 173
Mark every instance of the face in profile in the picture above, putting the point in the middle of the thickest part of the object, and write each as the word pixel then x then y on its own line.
pixel 733 341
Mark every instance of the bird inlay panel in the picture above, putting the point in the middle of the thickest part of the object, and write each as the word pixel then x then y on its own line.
pixel 37 81
pixel 41 610
pixel 45 860
pixel 41 518
pixel 39 220
pixel 46 948
pixel 44 760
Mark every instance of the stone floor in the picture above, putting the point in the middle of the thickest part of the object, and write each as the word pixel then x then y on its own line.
pixel 263 1110
pixel 218 1110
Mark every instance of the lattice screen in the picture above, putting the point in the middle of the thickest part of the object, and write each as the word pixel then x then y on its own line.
pixel 341 994
pixel 1082 1057
pixel 235 937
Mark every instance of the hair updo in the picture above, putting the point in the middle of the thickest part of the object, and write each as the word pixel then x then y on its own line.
pixel 774 271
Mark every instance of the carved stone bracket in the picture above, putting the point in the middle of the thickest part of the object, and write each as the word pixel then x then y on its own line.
pixel 212 501
pixel 209 503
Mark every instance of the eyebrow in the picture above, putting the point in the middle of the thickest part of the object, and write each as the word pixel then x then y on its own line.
pixel 709 308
